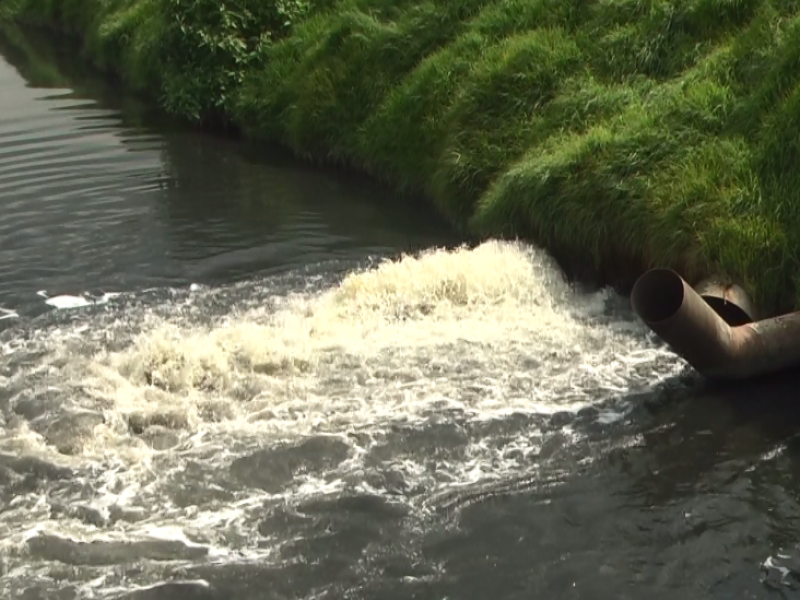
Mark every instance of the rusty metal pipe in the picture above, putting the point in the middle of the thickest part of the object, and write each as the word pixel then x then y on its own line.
pixel 694 331
pixel 728 300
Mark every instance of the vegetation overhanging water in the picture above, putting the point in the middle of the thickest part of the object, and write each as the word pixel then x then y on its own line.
pixel 618 135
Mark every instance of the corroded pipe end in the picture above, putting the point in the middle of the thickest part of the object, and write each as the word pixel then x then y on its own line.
pixel 682 319
pixel 695 331
pixel 729 300
pixel 657 295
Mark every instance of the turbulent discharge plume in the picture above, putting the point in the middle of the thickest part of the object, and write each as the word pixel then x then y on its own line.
pixel 181 422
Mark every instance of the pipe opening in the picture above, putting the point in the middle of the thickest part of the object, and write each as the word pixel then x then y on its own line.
pixel 728 300
pixel 731 313
pixel 657 295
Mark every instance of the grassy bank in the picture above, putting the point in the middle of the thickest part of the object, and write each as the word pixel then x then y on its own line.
pixel 617 134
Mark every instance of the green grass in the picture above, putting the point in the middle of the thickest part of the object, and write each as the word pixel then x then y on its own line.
pixel 618 134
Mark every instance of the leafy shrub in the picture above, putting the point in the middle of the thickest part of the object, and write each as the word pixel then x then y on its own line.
pixel 211 43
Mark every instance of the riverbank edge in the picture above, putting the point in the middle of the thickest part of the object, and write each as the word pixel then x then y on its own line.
pixel 612 247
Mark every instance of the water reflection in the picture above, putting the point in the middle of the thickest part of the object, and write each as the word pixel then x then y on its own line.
pixel 284 213
pixel 97 192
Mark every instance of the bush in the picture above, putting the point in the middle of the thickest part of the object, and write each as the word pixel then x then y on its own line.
pixel 211 44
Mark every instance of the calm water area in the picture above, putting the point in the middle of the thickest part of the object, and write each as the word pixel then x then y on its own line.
pixel 273 380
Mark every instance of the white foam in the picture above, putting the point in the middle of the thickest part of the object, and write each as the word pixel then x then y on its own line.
pixel 66 301
pixel 482 333
pixel 497 322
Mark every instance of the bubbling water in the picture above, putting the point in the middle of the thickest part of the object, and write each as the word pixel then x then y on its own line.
pixel 148 423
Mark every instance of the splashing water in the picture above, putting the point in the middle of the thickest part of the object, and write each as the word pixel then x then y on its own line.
pixel 164 431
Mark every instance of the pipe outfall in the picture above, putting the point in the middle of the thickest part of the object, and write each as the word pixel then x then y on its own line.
pixel 696 331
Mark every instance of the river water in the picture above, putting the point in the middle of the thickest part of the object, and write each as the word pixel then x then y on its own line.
pixel 287 383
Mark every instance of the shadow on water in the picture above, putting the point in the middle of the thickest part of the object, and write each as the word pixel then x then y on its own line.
pixel 46 61
pixel 285 214
pixel 155 203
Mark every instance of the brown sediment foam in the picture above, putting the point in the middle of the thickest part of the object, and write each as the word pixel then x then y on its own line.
pixel 493 328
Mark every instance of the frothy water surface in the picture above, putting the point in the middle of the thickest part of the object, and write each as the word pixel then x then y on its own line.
pixel 166 430
pixel 326 411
